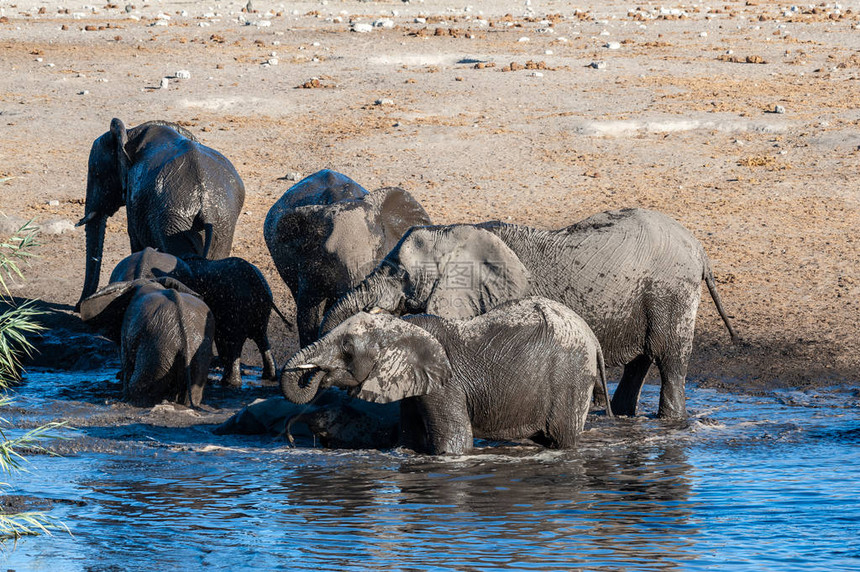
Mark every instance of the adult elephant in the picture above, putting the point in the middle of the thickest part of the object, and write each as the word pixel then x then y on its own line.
pixel 181 196
pixel 524 370
pixel 634 275
pixel 326 233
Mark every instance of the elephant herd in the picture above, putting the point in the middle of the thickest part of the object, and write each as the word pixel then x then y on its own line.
pixel 486 330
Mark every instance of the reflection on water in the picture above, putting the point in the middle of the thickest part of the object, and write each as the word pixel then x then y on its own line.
pixel 749 483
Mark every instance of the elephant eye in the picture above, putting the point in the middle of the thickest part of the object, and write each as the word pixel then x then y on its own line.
pixel 347 346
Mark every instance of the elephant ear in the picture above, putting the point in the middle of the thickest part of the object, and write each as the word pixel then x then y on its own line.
pixel 397 211
pixel 105 309
pixel 123 161
pixel 411 362
pixel 461 271
pixel 173 283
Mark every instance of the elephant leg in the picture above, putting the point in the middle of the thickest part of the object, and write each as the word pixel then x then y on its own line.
pixel 449 429
pixel 626 396
pixel 308 318
pixel 269 367
pixel 673 396
pixel 197 375
pixel 230 354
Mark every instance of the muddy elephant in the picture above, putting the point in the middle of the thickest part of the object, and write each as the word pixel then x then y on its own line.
pixel 326 233
pixel 165 339
pixel 523 370
pixel 235 291
pixel 634 275
pixel 181 197
pixel 334 420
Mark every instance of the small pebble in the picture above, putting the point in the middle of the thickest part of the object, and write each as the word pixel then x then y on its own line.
pixel 613 46
pixel 295 176
pixel 183 74
pixel 524 39
pixel 53 203
pixel 384 102
pixel 778 109
pixel 84 92
pixel 362 28
pixel 597 65
pixel 164 83
pixel 536 74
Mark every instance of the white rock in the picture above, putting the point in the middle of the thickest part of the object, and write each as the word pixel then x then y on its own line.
pixel 53 203
pixel 272 61
pixel 598 65
pixel 384 102
pixel 383 23
pixel 262 23
pixel 56 226
pixel 536 74
pixel 613 46
pixel 295 176
pixel 164 83
pixel 362 28
pixel 182 74
pixel 84 92
pixel 524 39
pixel 779 109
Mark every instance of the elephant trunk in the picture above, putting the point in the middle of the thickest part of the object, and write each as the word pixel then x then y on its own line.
pixel 380 292
pixel 95 229
pixel 302 375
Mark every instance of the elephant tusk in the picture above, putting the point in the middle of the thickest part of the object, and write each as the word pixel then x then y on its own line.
pixel 303 366
pixel 87 218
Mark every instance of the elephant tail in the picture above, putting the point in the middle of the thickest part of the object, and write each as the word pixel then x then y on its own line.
pixel 289 324
pixel 207 243
pixel 708 276
pixel 601 369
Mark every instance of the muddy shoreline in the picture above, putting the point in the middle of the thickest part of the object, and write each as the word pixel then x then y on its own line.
pixel 680 117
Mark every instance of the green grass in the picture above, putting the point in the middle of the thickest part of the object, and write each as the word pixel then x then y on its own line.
pixel 16 323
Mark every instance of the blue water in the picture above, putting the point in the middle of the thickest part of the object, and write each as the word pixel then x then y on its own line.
pixel 765 482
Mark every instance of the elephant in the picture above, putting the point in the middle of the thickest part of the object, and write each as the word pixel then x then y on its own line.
pixel 326 233
pixel 165 339
pixel 523 370
pixel 633 274
pixel 181 196
pixel 334 420
pixel 235 291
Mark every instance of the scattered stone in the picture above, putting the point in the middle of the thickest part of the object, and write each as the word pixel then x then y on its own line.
pixel 56 226
pixel 613 46
pixel 383 23
pixel 54 203
pixel 182 74
pixel 536 74
pixel 524 39
pixel 597 65
pixel 779 109
pixel 84 92
pixel 384 102
pixel 295 176
pixel 362 28
pixel 164 83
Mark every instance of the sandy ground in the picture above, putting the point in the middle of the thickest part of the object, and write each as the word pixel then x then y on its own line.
pixel 533 112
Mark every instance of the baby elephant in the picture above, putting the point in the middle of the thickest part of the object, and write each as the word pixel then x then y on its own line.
pixel 165 340
pixel 526 369
pixel 233 288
